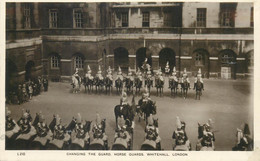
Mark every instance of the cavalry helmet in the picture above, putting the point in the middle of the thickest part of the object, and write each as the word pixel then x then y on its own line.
pixel 150 120
pixel 98 119
pixel 178 122
pixel 79 120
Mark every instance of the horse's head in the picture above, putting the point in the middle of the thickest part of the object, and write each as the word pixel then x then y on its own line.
pixel 36 119
pixel 87 126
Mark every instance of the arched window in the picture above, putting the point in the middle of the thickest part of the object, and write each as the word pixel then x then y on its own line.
pixel 55 62
pixel 227 58
pixel 78 62
pixel 199 59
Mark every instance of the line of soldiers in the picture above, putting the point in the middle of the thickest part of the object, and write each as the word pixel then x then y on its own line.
pixel 24 92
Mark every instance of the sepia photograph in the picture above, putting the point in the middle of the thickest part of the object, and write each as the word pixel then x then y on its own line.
pixel 129 76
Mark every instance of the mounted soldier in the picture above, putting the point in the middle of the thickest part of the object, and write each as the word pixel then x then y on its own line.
pixel 88 80
pixel 173 82
pixel 76 75
pixel 149 80
pixel 185 84
pixel 88 74
pixel 108 81
pixel 11 129
pixel 180 138
pixel 167 69
pixel 99 74
pixel 198 84
pixel 152 132
pixel 129 81
pixel 119 81
pixel 109 73
pixel 159 82
pixel 145 65
pixel 244 141
pixel 206 137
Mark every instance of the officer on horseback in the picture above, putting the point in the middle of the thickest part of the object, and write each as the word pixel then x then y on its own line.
pixel 119 74
pixel 99 131
pixel 139 74
pixel 199 78
pixel 244 141
pixel 180 136
pixel 130 75
pixel 25 122
pixel 76 74
pixel 152 132
pixel 42 128
pixel 121 131
pixel 10 124
pixel 59 132
pixel 208 138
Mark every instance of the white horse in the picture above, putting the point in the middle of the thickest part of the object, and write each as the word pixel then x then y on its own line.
pixel 75 84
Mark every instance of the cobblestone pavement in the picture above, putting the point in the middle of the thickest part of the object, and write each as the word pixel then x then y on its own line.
pixel 228 103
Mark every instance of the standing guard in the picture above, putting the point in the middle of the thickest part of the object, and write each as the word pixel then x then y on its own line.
pixel 167 69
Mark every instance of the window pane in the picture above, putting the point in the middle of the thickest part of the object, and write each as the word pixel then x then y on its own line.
pixel 201 17
pixel 27 15
pixel 124 19
pixel 146 19
pixel 53 18
pixel 78 18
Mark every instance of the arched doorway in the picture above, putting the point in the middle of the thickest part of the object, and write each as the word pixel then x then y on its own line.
pixel 167 55
pixel 121 58
pixel 141 54
pixel 10 76
pixel 227 59
pixel 250 61
pixel 201 61
pixel 28 70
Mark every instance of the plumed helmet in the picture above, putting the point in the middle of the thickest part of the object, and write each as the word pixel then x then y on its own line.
pixel 25 114
pixel 8 112
pixel 167 64
pixel 178 122
pixel 41 117
pixel 77 69
pixel 119 70
pixel 150 120
pixel 89 68
pixel 246 129
pixel 58 120
pixel 199 73
pixel 174 71
pixel 79 120
pixel 98 119
pixel 184 73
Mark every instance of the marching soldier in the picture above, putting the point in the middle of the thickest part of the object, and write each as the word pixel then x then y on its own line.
pixel 167 68
pixel 179 135
pixel 99 131
pixel 152 132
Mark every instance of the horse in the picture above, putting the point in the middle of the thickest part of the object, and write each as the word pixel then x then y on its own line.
pixel 173 85
pixel 185 86
pixel 159 83
pixel 88 83
pixel 122 110
pixel 80 139
pixel 99 83
pixel 149 83
pixel 150 144
pixel 148 108
pixel 138 84
pixel 199 87
pixel 76 84
pixel 119 85
pixel 108 84
pixel 129 84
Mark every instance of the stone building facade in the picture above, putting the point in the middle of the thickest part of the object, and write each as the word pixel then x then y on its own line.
pixel 52 39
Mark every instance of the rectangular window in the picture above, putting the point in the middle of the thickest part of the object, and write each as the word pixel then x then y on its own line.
pixel 77 18
pixel 55 62
pixel 167 19
pixel 27 15
pixel 124 19
pixel 53 18
pixel 201 17
pixel 146 19
pixel 252 17
pixel 227 14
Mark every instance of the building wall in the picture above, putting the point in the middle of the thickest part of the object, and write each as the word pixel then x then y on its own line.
pixel 243 13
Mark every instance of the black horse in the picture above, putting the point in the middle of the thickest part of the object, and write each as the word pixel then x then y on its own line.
pixel 119 85
pixel 138 84
pixel 173 85
pixel 159 84
pixel 124 110
pixel 129 85
pixel 88 83
pixel 149 83
pixel 198 86
pixel 185 86
pixel 108 83
pixel 148 107
pixel 99 84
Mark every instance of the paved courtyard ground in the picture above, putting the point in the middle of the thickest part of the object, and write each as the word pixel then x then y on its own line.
pixel 228 103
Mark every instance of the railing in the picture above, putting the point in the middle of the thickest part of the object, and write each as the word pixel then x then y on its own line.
pixel 33 33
